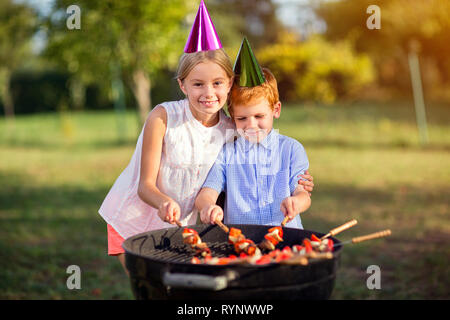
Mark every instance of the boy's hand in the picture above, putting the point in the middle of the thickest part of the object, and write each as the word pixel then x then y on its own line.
pixel 309 184
pixel 210 214
pixel 169 212
pixel 290 207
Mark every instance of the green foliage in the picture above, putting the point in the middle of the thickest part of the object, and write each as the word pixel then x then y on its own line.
pixel 316 69
pixel 403 22
pixel 46 91
pixel 140 38
pixel 18 23
pixel 137 34
pixel 256 19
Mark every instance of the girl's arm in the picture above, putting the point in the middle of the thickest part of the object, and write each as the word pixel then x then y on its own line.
pixel 154 131
pixel 308 184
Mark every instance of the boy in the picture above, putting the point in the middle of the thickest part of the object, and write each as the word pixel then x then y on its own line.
pixel 259 170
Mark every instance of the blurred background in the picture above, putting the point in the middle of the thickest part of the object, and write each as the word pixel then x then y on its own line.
pixel 370 105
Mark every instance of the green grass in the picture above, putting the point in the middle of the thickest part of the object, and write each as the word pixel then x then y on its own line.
pixel 367 162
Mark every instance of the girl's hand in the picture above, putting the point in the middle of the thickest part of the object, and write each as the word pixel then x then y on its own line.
pixel 169 212
pixel 210 214
pixel 309 184
pixel 290 207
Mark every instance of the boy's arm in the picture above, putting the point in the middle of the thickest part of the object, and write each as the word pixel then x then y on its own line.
pixel 299 201
pixel 299 165
pixel 303 198
pixel 206 197
pixel 205 203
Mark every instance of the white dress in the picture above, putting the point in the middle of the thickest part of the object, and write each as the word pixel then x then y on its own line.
pixel 188 153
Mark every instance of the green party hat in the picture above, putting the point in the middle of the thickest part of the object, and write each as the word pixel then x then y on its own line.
pixel 247 68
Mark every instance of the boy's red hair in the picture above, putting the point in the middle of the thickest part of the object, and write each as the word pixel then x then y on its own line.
pixel 244 96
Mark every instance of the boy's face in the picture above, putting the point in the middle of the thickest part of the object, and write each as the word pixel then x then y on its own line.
pixel 254 121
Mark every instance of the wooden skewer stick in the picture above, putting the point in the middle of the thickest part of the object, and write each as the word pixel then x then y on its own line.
pixel 339 229
pixel 371 236
pixel 285 220
pixel 178 223
pixel 222 226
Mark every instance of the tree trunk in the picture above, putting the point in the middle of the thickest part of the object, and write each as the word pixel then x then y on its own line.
pixel 5 93
pixel 141 90
pixel 77 93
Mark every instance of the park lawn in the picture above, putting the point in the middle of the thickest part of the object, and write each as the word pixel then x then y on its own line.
pixel 367 162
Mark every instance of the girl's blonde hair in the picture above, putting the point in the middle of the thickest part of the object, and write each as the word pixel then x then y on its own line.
pixel 189 60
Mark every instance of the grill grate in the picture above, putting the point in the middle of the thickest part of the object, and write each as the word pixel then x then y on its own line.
pixel 183 253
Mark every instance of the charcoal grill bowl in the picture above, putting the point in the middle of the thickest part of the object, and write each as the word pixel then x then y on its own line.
pixel 149 272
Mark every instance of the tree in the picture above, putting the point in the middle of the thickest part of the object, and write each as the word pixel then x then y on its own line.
pixel 18 23
pixel 315 69
pixel 142 37
pixel 256 19
pixel 403 22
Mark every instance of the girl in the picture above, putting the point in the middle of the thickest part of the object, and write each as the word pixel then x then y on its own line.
pixel 175 150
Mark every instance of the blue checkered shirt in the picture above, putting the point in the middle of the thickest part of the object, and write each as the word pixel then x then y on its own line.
pixel 257 177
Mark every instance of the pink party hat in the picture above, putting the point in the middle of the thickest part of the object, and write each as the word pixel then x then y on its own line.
pixel 203 35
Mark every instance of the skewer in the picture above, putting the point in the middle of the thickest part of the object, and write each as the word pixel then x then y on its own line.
pixel 222 226
pixel 376 235
pixel 339 229
pixel 285 220
pixel 267 244
pixel 178 223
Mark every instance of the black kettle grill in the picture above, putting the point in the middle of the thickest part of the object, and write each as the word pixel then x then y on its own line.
pixel 160 268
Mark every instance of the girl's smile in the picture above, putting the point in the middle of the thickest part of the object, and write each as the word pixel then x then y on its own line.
pixel 209 103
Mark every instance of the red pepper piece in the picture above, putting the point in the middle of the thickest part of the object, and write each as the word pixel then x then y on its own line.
pixel 223 261
pixel 251 250
pixel 280 232
pixel 307 245
pixel 235 233
pixel 287 250
pixel 315 238
pixel 330 245
pixel 282 256
pixel 189 230
pixel 274 253
pixel 271 239
pixel 195 260
pixel 265 259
